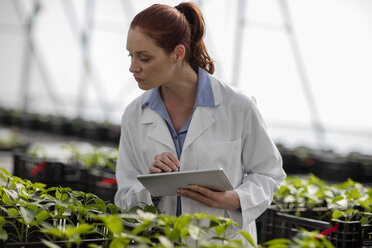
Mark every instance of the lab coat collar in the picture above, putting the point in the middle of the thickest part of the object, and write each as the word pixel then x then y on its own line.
pixel 159 129
pixel 216 90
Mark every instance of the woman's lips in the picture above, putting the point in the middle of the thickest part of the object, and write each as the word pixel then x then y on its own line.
pixel 139 80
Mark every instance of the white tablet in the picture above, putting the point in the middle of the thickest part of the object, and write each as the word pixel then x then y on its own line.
pixel 162 184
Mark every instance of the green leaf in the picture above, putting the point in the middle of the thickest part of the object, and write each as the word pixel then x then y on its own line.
pixel 220 230
pixel 2 221
pixel 248 237
pixel 119 243
pixel 150 208
pixel 114 224
pixel 337 214
pixel 27 214
pixel 94 246
pixel 277 242
pixel 64 196
pixel 182 221
pixel 172 234
pixel 39 185
pixel 283 246
pixel 49 244
pixel 11 195
pixel 113 209
pixel 5 172
pixel 366 205
pixel 337 198
pixel 58 195
pixel 53 231
pixel 12 212
pixel 353 193
pixel 146 215
pixel 80 229
pixel 184 233
pixel 134 209
pixel 165 242
pixel 43 215
pixel 3 234
pixel 21 190
pixel 77 240
pixel 194 232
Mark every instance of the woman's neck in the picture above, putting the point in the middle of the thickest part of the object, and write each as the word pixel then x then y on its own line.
pixel 183 88
pixel 179 96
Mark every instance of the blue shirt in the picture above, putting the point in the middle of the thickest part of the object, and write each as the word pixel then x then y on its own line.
pixel 204 98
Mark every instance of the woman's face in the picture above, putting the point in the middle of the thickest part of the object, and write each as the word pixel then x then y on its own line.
pixel 151 65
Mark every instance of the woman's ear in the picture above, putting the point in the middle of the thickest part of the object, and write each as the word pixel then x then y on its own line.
pixel 179 52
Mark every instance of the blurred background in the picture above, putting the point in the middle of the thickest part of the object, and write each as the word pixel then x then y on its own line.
pixel 308 63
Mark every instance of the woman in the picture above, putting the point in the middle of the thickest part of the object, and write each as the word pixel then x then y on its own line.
pixel 189 120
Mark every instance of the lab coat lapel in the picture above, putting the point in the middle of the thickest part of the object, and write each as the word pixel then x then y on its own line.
pixel 158 129
pixel 202 118
pixel 201 121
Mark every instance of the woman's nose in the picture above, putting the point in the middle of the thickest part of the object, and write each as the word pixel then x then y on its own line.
pixel 133 67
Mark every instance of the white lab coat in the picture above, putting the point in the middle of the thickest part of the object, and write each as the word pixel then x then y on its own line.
pixel 232 135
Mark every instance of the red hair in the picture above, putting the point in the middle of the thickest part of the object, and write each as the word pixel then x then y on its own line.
pixel 170 26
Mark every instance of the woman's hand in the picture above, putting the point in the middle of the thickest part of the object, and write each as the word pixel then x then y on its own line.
pixel 225 200
pixel 165 162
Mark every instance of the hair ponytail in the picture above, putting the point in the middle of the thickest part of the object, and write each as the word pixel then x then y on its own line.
pixel 169 27
pixel 199 55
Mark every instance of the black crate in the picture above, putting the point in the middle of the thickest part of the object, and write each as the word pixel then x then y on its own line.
pixel 274 224
pixel 50 172
pixel 336 168
pixel 350 234
pixel 347 235
pixel 19 164
pixel 337 171
pixel 367 235
pixel 106 191
pixel 102 183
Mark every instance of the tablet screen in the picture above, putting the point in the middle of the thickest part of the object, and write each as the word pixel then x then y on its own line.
pixel 162 184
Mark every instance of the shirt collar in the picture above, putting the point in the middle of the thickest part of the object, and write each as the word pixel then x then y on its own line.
pixel 204 97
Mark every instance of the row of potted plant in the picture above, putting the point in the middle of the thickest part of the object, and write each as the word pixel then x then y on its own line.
pixel 342 211
pixel 32 215
pixel 300 160
pixel 327 164
pixel 60 125
pixel 12 139
pixel 81 166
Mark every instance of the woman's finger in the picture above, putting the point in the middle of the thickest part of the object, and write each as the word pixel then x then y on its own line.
pixel 197 197
pixel 166 159
pixel 164 162
pixel 224 200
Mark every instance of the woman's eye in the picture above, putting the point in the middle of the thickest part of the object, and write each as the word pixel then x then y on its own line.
pixel 145 60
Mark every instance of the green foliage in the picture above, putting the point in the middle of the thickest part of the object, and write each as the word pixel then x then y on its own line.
pixel 347 201
pixel 11 139
pixel 94 157
pixel 60 213
pixel 84 154
pixel 303 239
pixel 37 151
